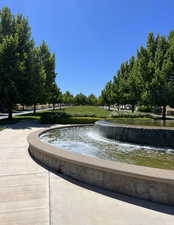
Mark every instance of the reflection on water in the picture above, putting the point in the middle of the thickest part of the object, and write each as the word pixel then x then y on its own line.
pixel 86 141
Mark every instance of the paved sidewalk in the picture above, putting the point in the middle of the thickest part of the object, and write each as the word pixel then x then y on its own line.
pixel 31 195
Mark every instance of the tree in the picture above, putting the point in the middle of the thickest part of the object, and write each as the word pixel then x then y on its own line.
pixel 7 23
pixel 124 85
pixel 27 73
pixel 55 95
pixel 36 84
pixel 41 74
pixel 68 98
pixel 163 83
pixel 47 61
pixel 147 79
pixel 81 99
pixel 92 99
pixel 108 94
pixel 9 92
pixel 118 95
pixel 100 101
pixel 25 49
pixel 14 41
pixel 158 88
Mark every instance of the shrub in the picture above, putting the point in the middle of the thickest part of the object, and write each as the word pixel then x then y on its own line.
pixel 54 118
pixel 83 115
pixel 51 117
pixel 131 115
pixel 145 108
pixel 157 110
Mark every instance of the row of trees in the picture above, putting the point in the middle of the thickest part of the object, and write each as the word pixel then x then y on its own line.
pixel 27 71
pixel 147 78
pixel 79 99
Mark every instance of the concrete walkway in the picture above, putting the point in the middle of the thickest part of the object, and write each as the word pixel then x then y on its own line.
pixel 31 195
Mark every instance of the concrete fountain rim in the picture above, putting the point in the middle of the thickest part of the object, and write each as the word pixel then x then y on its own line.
pixel 148 173
pixel 138 181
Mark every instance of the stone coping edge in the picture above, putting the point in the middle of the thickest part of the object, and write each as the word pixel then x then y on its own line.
pixel 150 136
pixel 108 123
pixel 138 181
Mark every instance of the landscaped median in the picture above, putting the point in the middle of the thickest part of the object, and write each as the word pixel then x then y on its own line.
pixel 147 183
pixel 88 115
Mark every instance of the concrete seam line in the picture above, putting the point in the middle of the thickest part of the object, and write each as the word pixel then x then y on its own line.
pixel 49 190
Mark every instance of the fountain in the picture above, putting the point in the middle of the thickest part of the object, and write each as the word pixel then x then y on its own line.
pixel 146 135
pixel 89 141
pixel 85 153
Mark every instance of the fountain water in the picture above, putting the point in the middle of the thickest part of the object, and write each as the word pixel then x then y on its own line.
pixel 147 135
pixel 88 141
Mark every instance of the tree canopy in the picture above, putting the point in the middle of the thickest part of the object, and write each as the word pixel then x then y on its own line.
pixel 27 71
pixel 147 78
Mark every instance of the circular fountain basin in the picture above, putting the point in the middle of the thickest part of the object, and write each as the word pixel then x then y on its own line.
pixel 88 141
pixel 138 181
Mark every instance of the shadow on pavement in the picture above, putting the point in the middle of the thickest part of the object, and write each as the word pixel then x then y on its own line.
pixel 27 124
pixel 166 209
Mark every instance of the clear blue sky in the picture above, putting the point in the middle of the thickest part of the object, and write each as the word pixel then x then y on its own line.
pixel 91 38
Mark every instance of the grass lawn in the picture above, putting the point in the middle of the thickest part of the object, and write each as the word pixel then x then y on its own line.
pixel 29 117
pixel 79 114
pixel 100 112
pixel 87 110
pixel 89 114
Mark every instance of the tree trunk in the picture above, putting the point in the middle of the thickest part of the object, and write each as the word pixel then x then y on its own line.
pixel 164 112
pixel 109 107
pixel 133 108
pixel 53 106
pixel 34 108
pixel 10 117
pixel 23 106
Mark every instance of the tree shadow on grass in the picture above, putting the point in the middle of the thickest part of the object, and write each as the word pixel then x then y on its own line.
pixel 166 209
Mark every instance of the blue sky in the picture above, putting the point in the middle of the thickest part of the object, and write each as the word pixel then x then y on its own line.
pixel 91 38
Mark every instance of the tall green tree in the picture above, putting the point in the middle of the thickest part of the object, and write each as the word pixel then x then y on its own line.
pixel 117 93
pixel 55 95
pixel 148 78
pixel 9 76
pixel 25 51
pixel 36 85
pixel 14 37
pixel 92 99
pixel 41 74
pixel 160 90
pixel 27 73
pixel 108 94
pixel 47 61
pixel 7 23
pixel 126 89
pixel 68 98
pixel 81 99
